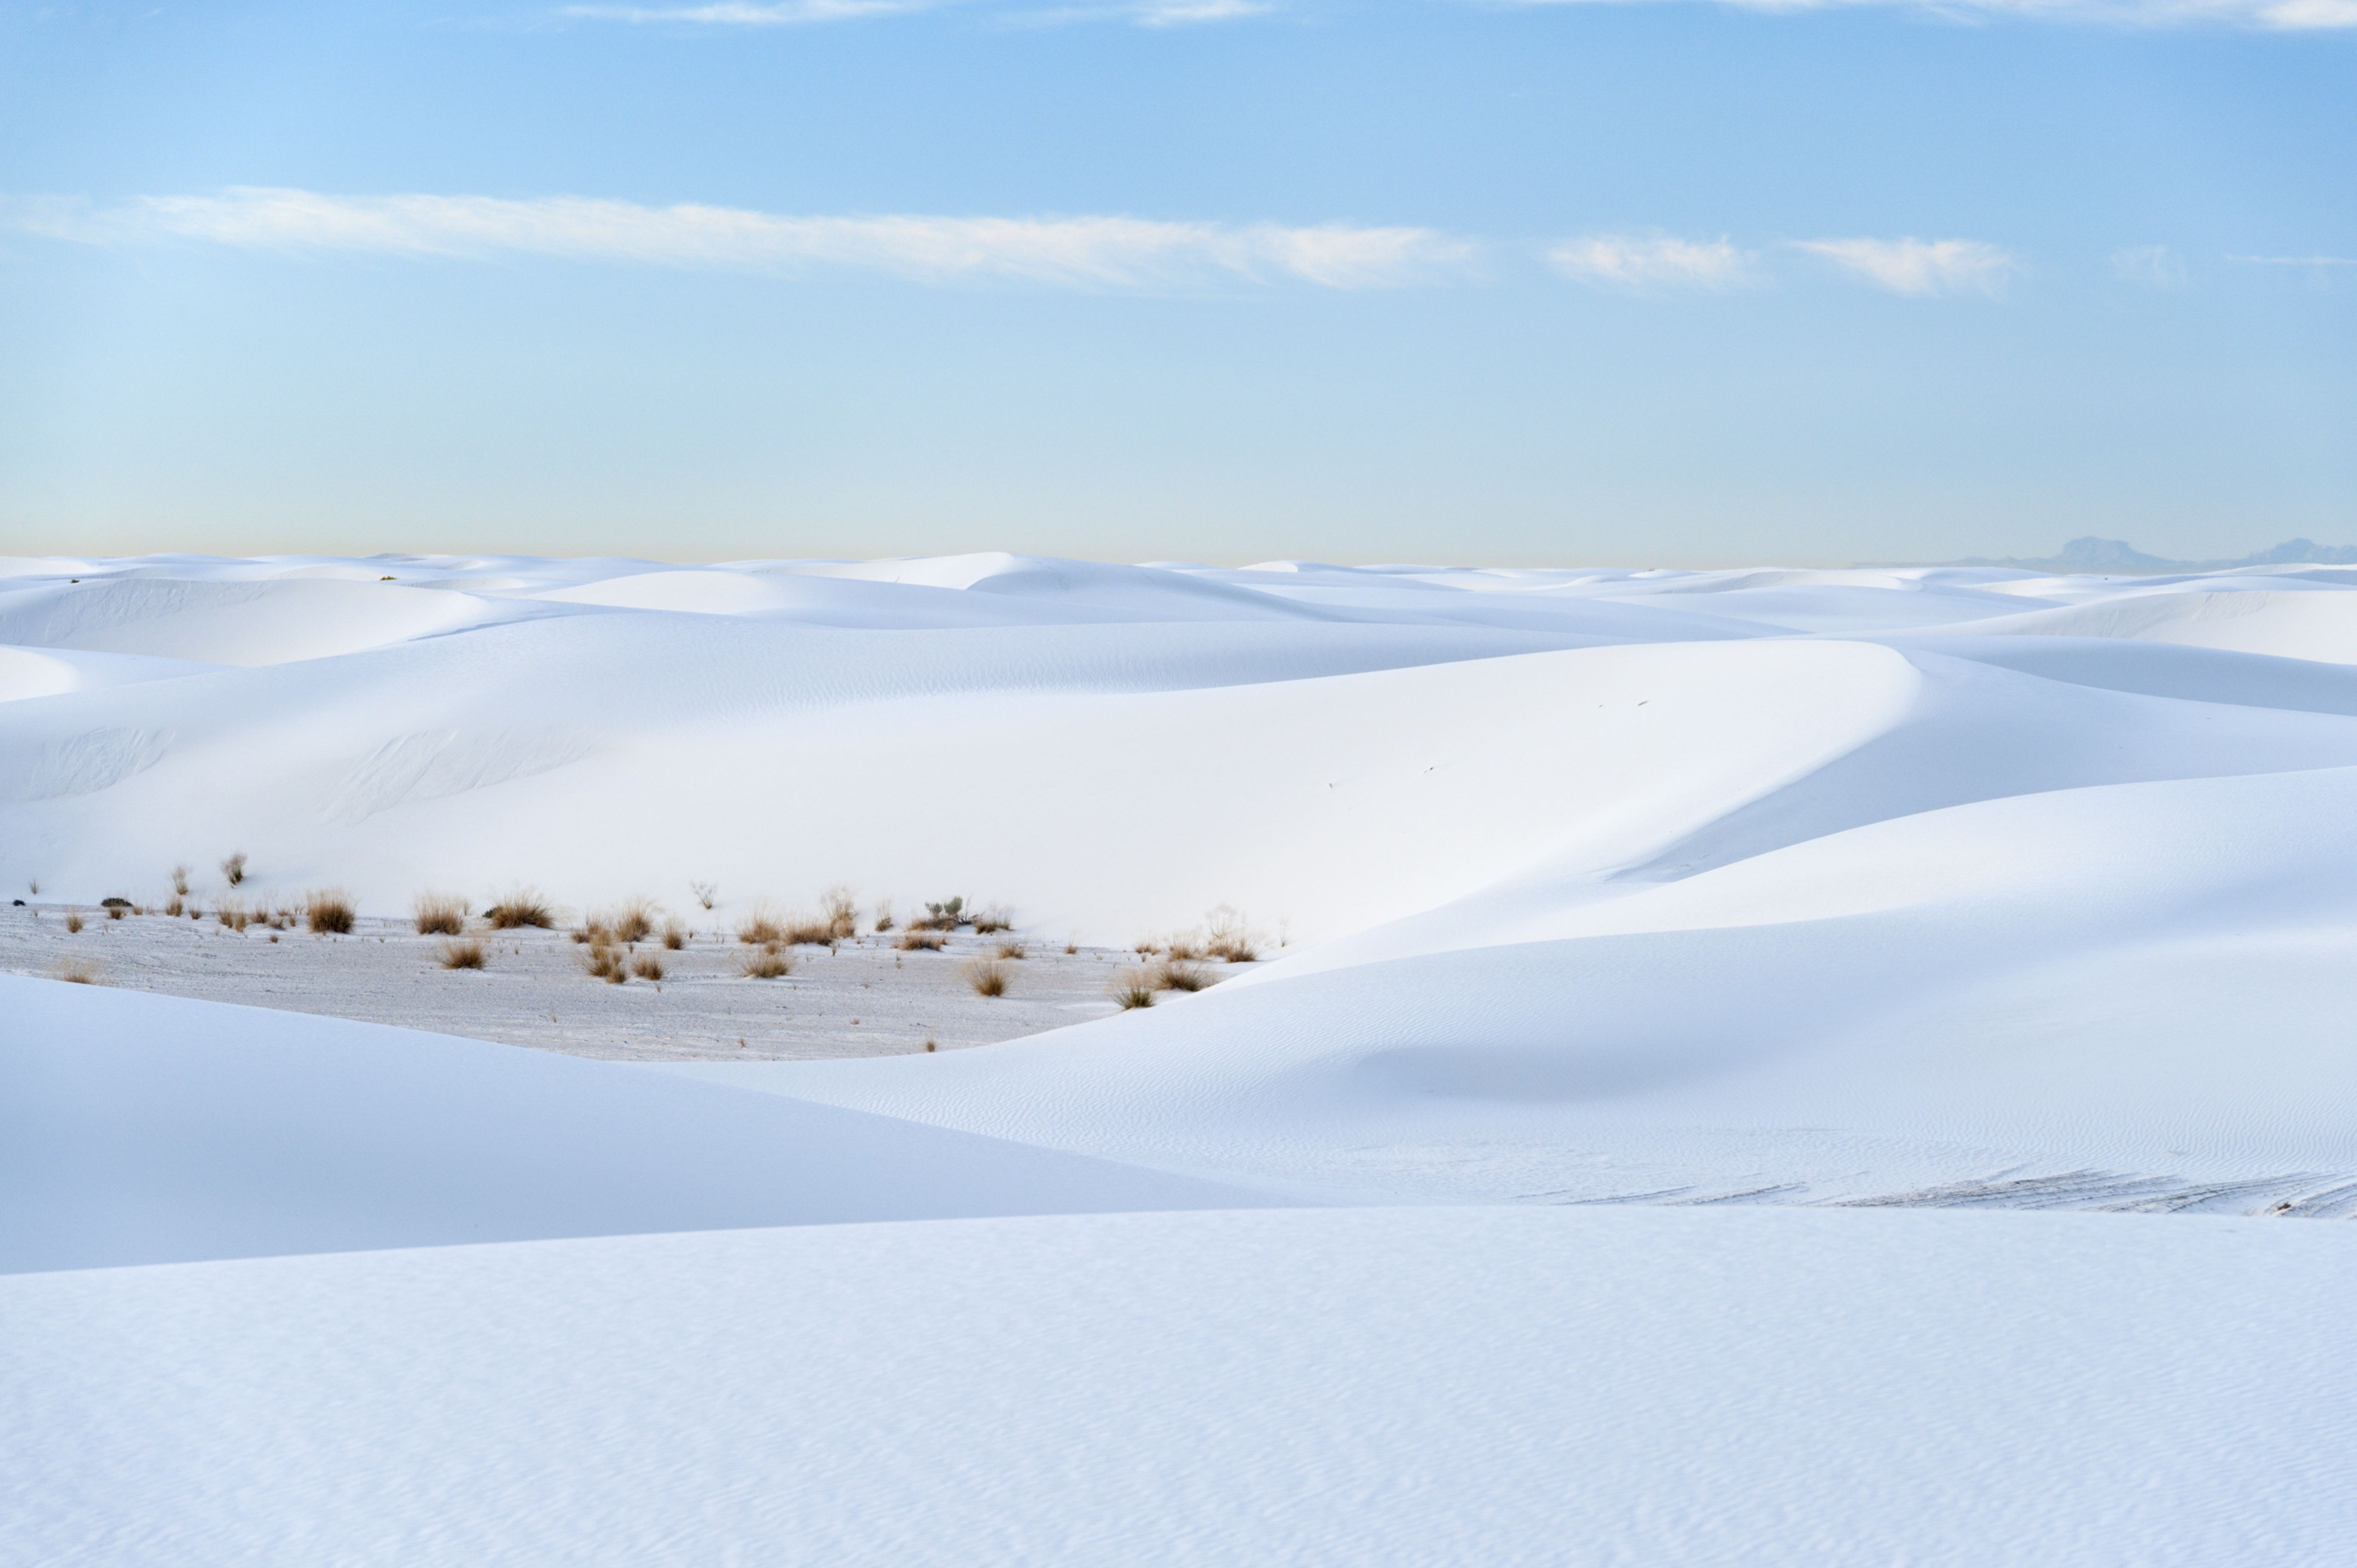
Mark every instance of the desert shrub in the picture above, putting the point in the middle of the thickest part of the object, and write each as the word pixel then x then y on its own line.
pixel 883 917
pixel 1132 987
pixel 195 913
pixel 805 929
pixel 1009 949
pixel 175 907
pixel 234 868
pixel 762 927
pixel 916 941
pixel 987 976
pixel 840 909
pixel 328 911
pixel 462 955
pixel 73 921
pixel 676 934
pixel 180 880
pixel 602 961
pixel 440 914
pixel 632 920
pixel 946 915
pixel 993 918
pixel 117 911
pixel 231 913
pixel 1176 975
pixel 648 967
pixel 766 965
pixel 1187 947
pixel 705 893
pixel 1228 936
pixel 1071 947
pixel 520 907
pixel 77 972
pixel 1145 947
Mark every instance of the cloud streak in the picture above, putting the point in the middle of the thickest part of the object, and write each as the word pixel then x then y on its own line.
pixel 2273 15
pixel 793 13
pixel 1109 253
pixel 1655 265
pixel 1922 268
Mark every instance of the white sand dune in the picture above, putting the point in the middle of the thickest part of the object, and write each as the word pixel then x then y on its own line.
pixel 1801 895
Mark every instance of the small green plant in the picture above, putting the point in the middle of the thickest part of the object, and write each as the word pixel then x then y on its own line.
pixel 987 976
pixel 440 914
pixel 462 955
pixel 234 868
pixel 946 915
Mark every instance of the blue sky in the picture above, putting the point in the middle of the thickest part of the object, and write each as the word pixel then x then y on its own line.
pixel 1638 283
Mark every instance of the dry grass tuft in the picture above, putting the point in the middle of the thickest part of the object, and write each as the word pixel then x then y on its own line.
pixel 175 908
pixel 1228 936
pixel 328 911
pixel 705 893
pixel 73 921
pixel 839 906
pixel 632 920
pixel 1009 949
pixel 1071 947
pixel 115 907
pixel 180 880
pixel 916 941
pixel 440 914
pixel 521 906
pixel 993 918
pixel 946 915
pixel 762 927
pixel 987 976
pixel 462 955
pixel 607 963
pixel 1132 987
pixel 648 967
pixel 77 972
pixel 767 965
pixel 883 917
pixel 676 934
pixel 1169 975
pixel 234 868
pixel 1187 947
pixel 231 913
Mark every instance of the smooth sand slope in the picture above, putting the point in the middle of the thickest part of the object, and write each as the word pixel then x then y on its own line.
pixel 1661 941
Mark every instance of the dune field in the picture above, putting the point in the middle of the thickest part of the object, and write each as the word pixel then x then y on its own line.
pixel 1757 1066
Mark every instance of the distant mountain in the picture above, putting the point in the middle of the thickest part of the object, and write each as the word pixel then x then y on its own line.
pixel 2118 557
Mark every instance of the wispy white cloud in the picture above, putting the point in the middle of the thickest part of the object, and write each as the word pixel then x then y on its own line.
pixel 1089 253
pixel 738 13
pixel 1190 13
pixel 1650 264
pixel 1919 267
pixel 2154 266
pixel 2277 16
pixel 2297 261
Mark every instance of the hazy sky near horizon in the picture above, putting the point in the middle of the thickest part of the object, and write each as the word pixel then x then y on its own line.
pixel 1636 283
